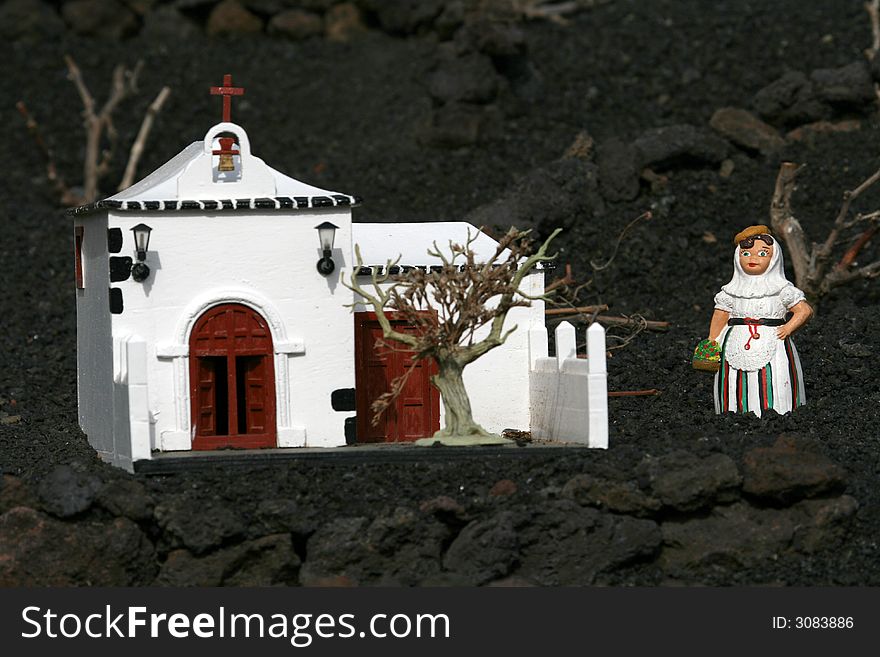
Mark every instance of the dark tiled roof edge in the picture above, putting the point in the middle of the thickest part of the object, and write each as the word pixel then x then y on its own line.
pixel 218 205
pixel 548 266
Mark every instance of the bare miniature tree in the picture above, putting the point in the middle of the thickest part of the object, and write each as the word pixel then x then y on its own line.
pixel 814 271
pixel 101 135
pixel 466 296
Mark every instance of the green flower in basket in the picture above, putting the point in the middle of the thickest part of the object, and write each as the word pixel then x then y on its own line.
pixel 707 356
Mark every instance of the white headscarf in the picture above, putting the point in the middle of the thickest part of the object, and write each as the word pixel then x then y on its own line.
pixel 749 286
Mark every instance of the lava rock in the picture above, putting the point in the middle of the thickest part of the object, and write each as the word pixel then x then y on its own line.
pixel 848 85
pixel 343 22
pixel 855 349
pixel 563 543
pixel 790 100
pixel 741 536
pixel 491 37
pixel 230 17
pixel 445 509
pixel 450 19
pixel 29 19
pixel 275 516
pixel 453 126
pixel 37 550
pixel 789 471
pixel 552 196
pixel 745 129
pixel 65 492
pixel 404 16
pixel 105 18
pixel 502 488
pixel 333 550
pixel 829 523
pixel 615 496
pixel 401 549
pixel 15 492
pixel 733 536
pixel 266 561
pixel 166 22
pixel 485 550
pixel 469 78
pixel 686 482
pixel 674 145
pixel 128 498
pixel 198 525
pixel 618 170
pixel 296 24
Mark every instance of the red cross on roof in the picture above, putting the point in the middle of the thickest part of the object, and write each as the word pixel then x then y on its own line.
pixel 227 91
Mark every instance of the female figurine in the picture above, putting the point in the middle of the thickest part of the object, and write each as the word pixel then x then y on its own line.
pixel 759 365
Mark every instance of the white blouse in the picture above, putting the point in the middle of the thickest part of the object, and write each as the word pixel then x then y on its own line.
pixel 763 348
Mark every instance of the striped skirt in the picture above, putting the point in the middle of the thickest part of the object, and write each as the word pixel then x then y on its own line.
pixel 779 385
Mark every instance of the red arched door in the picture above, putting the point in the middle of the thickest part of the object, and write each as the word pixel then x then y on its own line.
pixel 232 379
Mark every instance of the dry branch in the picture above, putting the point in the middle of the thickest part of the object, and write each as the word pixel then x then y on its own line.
pixel 646 216
pixel 873 9
pixel 613 320
pixel 811 266
pixel 852 253
pixel 101 135
pixel 577 310
pixel 633 393
pixel 59 186
pixel 96 123
pixel 137 148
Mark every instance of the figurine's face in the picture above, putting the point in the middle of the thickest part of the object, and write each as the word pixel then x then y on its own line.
pixel 755 259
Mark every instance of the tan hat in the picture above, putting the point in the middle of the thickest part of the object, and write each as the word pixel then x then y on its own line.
pixel 750 232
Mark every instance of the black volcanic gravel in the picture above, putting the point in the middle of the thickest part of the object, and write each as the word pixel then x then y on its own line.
pixel 348 117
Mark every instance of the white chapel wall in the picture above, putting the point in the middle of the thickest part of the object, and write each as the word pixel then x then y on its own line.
pixel 266 261
pixel 94 341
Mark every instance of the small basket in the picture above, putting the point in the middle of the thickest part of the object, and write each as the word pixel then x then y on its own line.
pixel 707 356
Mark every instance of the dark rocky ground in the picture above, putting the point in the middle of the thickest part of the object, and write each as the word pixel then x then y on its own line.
pixel 430 121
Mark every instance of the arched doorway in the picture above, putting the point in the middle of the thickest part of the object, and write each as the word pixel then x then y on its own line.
pixel 232 379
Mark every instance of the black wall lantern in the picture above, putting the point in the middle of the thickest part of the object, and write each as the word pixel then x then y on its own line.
pixel 326 235
pixel 140 271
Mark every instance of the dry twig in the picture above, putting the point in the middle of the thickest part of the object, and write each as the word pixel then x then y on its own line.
pixel 555 12
pixel 137 148
pixel 811 265
pixel 646 216
pixel 873 9
pixel 59 186
pixel 101 135
pixel 577 310
pixel 633 321
pixel 633 393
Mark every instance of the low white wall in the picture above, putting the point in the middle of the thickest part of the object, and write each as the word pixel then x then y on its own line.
pixel 569 396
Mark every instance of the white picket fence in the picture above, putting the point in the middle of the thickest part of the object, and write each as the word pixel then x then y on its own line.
pixel 569 395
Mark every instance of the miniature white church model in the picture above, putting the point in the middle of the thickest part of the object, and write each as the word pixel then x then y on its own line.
pixel 204 323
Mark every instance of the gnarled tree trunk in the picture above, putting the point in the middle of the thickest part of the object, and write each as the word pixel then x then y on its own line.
pixel 459 428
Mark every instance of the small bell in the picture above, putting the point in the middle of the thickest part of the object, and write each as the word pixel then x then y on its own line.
pixel 226 163
pixel 226 153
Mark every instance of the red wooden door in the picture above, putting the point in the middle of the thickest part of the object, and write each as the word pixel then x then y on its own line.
pixel 232 379
pixel 416 411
